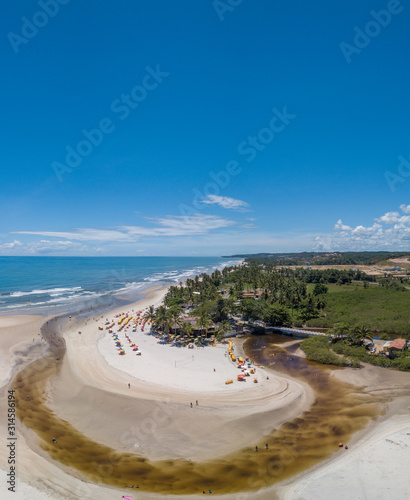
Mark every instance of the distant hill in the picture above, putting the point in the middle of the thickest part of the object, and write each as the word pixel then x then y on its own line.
pixel 322 258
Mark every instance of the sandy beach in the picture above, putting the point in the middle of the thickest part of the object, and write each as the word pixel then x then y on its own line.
pixel 154 418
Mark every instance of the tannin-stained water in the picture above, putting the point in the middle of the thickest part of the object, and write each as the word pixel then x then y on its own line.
pixel 338 412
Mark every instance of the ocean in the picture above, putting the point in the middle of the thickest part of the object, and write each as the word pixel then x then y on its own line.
pixel 45 285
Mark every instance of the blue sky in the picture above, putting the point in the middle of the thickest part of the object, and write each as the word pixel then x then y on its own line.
pixel 204 128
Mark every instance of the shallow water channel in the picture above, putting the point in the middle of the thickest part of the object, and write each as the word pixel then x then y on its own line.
pixel 338 411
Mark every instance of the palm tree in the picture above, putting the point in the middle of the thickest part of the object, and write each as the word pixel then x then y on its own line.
pixel 186 328
pixel 222 328
pixel 282 299
pixel 162 317
pixel 361 333
pixel 340 328
pixel 203 322
pixel 150 314
pixel 294 300
pixel 321 303
pixel 174 313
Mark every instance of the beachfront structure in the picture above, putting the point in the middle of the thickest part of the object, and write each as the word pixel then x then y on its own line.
pixel 187 307
pixel 251 295
pixel 398 345
pixel 196 330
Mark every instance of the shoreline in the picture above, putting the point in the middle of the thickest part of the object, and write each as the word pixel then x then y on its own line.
pixel 235 401
pixel 98 297
pixel 376 462
pixel 118 387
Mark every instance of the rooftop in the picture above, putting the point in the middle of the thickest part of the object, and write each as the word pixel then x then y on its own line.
pixel 398 344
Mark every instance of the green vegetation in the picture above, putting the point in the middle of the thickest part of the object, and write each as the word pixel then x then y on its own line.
pixel 351 304
pixel 320 288
pixel 359 353
pixel 379 308
pixel 318 349
pixel 301 296
pixel 323 258
pixel 391 264
pixel 342 353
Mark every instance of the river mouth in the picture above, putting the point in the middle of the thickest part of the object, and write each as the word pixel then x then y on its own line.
pixel 338 411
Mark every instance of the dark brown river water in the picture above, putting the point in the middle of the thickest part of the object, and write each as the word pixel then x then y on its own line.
pixel 338 412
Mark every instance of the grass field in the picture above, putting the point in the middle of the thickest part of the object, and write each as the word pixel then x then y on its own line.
pixel 380 309
pixel 390 263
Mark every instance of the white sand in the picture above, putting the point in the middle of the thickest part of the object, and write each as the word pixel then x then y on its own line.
pixel 154 417
pixel 227 417
pixel 14 320
pixel 378 469
pixel 201 369
pixel 15 333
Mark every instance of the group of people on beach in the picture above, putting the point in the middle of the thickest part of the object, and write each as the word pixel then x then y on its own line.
pixel 266 446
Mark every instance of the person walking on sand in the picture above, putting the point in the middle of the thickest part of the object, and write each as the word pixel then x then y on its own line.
pixel 129 385
pixel 197 402
pixel 267 446
pixel 191 405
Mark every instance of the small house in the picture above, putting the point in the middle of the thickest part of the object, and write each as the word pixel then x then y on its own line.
pixel 251 295
pixel 398 345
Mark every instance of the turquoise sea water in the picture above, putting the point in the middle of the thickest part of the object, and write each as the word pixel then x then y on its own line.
pixel 45 284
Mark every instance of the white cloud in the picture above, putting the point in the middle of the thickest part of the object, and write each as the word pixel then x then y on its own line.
pixel 195 224
pixel 47 246
pixel 405 208
pixel 82 234
pixel 226 202
pixel 9 246
pixel 391 231
pixel 164 226
pixel 365 231
pixel 41 247
pixel 339 226
pixel 389 217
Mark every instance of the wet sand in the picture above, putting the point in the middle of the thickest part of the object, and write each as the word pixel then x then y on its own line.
pixel 301 443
